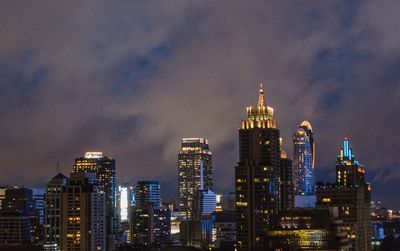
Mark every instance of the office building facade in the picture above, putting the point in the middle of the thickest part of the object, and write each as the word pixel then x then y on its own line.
pixel 15 228
pixel 206 203
pixel 194 173
pixel 162 225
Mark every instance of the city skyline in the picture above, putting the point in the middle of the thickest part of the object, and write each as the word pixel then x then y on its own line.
pixel 131 80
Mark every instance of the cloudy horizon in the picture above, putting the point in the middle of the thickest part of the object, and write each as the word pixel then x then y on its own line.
pixel 131 79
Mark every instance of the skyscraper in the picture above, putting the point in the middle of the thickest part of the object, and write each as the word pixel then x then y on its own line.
pixel 349 172
pixel 257 175
pixel 83 214
pixel 150 221
pixel 287 198
pixel 21 200
pixel 126 200
pixel 38 197
pixel 126 203
pixel 194 166
pixel 104 168
pixel 147 192
pixel 303 160
pixel 352 196
pixel 162 224
pixel 15 229
pixel 53 211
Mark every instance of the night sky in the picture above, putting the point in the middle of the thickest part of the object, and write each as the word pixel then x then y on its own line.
pixel 131 78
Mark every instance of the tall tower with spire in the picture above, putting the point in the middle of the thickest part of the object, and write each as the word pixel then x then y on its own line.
pixel 257 174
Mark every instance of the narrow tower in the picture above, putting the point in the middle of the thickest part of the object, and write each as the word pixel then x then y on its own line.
pixel 303 160
pixel 257 175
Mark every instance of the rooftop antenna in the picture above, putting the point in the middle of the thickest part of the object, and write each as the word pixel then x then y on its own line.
pixel 58 167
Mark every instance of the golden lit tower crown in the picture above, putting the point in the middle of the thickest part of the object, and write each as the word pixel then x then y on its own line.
pixel 260 116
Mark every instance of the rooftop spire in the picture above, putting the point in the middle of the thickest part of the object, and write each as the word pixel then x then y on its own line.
pixel 261 98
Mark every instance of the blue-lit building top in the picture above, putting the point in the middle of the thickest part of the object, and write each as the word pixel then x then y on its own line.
pixel 349 172
pixel 303 160
pixel 346 156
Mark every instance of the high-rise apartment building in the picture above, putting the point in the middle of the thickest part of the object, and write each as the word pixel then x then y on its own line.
pixel 352 196
pixel 195 173
pixel 53 211
pixel 257 175
pixel 104 168
pixel 303 160
pixel 83 214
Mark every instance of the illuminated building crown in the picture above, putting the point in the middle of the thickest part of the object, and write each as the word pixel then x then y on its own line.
pixel 260 116
pixel 346 156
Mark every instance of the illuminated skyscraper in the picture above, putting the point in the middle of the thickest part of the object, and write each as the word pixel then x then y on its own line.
pixel 194 166
pixel 104 168
pixel 148 192
pixel 83 214
pixel 352 196
pixel 126 203
pixel 286 185
pixel 53 210
pixel 257 175
pixel 151 222
pixel 349 172
pixel 303 160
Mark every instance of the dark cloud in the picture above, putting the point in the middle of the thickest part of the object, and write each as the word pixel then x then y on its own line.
pixel 132 78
